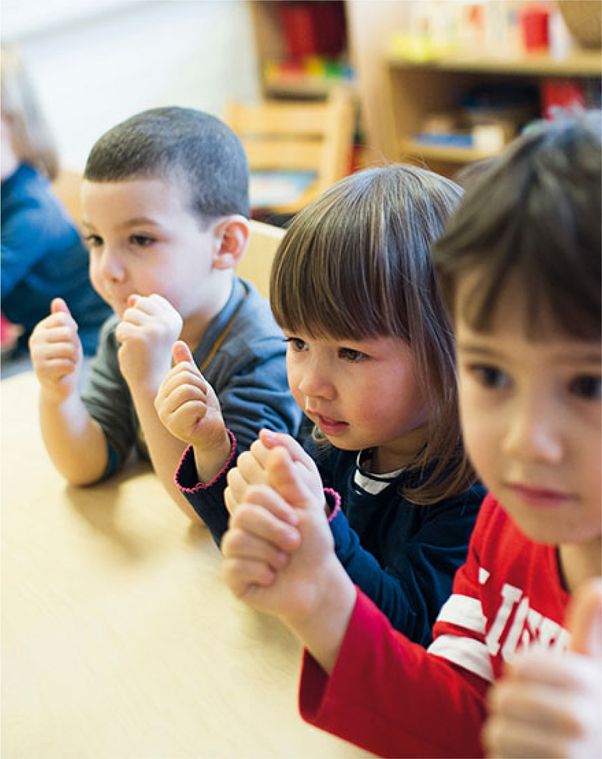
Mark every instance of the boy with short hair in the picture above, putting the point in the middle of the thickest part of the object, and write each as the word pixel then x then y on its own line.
pixel 520 262
pixel 165 208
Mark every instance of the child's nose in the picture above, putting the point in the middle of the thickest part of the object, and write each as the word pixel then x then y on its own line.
pixel 533 432
pixel 112 266
pixel 316 383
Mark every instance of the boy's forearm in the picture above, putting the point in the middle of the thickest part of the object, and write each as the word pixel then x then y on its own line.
pixel 165 451
pixel 74 440
pixel 322 632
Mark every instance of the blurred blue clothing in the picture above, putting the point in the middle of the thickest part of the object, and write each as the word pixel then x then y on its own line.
pixel 43 257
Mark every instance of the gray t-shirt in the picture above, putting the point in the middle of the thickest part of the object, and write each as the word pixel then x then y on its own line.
pixel 247 372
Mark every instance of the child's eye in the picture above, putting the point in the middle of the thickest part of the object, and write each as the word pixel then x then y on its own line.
pixel 141 241
pixel 489 377
pixel 586 387
pixel 297 344
pixel 93 241
pixel 351 355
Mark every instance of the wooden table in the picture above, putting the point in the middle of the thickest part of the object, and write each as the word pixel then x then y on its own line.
pixel 119 639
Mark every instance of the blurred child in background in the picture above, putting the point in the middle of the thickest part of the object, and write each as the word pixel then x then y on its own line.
pixel 370 361
pixel 165 206
pixel 520 264
pixel 43 256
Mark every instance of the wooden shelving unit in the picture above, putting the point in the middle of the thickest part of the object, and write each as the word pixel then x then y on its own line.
pixel 417 89
pixel 271 48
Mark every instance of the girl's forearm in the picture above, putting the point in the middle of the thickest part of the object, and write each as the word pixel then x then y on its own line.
pixel 209 462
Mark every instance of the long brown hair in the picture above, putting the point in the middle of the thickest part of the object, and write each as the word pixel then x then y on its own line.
pixel 30 135
pixel 356 264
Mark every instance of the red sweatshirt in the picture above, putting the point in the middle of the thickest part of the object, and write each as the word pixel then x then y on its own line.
pixel 392 697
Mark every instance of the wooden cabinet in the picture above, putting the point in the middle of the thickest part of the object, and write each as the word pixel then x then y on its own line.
pixel 417 90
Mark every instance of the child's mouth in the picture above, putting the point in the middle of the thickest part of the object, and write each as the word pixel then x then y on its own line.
pixel 541 497
pixel 331 426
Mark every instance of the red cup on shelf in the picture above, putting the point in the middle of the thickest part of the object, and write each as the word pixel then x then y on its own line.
pixel 561 93
pixel 535 28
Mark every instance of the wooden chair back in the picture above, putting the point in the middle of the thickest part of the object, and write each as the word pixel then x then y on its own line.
pixel 257 262
pixel 297 136
pixel 67 187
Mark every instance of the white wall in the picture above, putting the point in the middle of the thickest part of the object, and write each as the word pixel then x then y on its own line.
pixel 96 62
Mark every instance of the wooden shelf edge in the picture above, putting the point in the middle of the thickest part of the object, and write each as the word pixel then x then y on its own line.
pixel 308 86
pixel 415 149
pixel 579 63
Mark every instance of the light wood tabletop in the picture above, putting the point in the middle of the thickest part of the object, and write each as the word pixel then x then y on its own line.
pixel 119 638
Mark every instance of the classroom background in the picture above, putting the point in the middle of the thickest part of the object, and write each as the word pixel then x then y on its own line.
pixel 440 81
pixel 316 89
pixel 118 636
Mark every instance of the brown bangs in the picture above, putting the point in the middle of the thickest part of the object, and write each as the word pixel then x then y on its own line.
pixel 542 246
pixel 529 226
pixel 311 293
pixel 332 275
pixel 549 304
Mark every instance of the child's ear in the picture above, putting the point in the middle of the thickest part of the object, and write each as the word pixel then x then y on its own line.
pixel 232 236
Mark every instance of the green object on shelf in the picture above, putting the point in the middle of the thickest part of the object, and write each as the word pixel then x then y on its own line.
pixel 333 69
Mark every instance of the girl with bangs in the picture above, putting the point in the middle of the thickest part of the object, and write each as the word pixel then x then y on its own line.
pixel 370 362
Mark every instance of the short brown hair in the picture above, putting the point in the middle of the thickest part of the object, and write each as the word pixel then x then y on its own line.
pixel 356 264
pixel 177 143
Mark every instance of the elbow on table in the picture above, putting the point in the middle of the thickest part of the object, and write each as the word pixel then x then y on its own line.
pixel 81 479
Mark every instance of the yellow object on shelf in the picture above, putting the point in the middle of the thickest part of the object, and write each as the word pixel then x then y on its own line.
pixel 419 49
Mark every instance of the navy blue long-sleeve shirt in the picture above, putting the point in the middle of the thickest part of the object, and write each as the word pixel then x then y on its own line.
pixel 401 555
pixel 43 257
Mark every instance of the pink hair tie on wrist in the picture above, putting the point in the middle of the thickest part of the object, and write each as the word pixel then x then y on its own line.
pixel 333 499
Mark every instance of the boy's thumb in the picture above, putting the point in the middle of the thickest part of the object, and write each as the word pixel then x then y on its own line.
pixel 283 477
pixel 181 352
pixel 585 619
pixel 57 305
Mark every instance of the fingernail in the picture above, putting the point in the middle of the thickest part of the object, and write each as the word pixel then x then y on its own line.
pixel 269 435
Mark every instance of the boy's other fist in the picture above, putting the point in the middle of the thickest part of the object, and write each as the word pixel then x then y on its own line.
pixel 147 331
pixel 549 703
pixel 187 404
pixel 56 352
